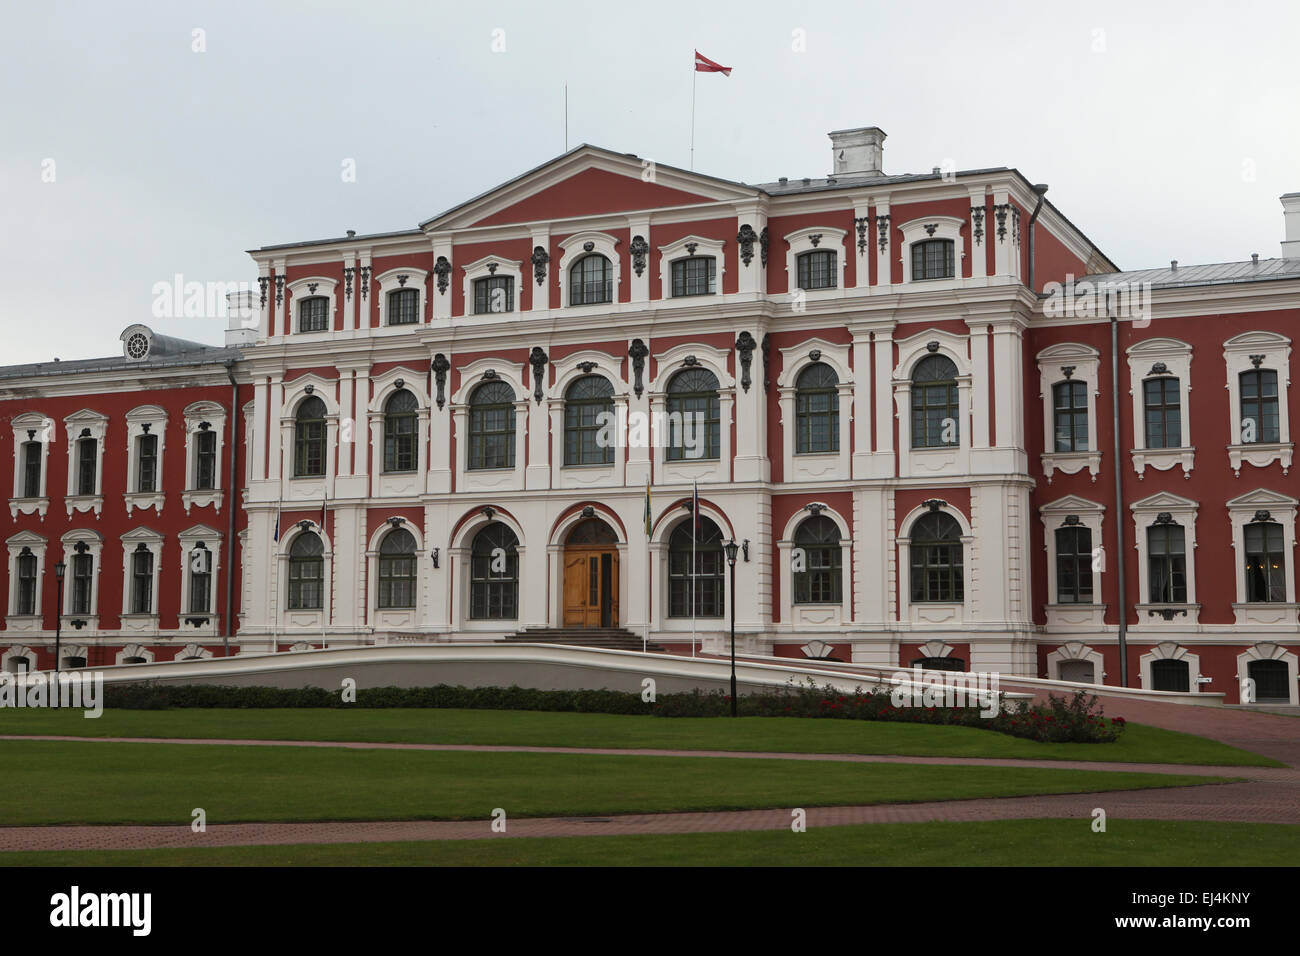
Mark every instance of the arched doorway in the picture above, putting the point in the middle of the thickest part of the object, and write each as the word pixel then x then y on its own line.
pixel 591 575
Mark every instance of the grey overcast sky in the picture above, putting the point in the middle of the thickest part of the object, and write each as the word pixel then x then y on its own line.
pixel 1166 130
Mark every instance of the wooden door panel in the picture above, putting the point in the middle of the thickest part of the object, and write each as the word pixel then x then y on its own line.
pixel 575 590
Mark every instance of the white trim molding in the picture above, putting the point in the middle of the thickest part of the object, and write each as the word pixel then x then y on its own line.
pixel 933 227
pixel 37 427
pixel 677 359
pixel 25 542
pixel 199 622
pixel 88 542
pixel 1062 513
pixel 1145 361
pixel 140 539
pixel 79 426
pixel 142 421
pixel 471 377
pixel 1267 351
pixel 401 277
pixel 1148 513
pixel 305 288
pixel 946 614
pixel 19 652
pixel 396 617
pixel 815 239
pixel 1072 651
pixel 816 466
pixel 686 248
pixel 1269 506
pixel 1069 362
pixel 939 460
pixel 1268 651
pixel 389 484
pixel 492 267
pixel 796 616
pixel 574 249
pixel 201 417
pixel 1171 650
pixel 134 650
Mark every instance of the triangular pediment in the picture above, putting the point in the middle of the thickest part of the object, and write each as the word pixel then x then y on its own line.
pixel 1072 504
pixel 1262 497
pixel 588 181
pixel 1165 501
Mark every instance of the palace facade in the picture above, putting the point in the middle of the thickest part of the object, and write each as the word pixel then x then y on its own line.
pixel 881 385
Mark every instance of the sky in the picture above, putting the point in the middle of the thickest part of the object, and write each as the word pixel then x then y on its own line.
pixel 140 141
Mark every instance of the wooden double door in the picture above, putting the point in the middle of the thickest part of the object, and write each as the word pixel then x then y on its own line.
pixel 590 586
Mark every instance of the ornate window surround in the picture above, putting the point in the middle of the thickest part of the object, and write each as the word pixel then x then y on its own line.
pixel 1183 512
pixel 1171 649
pixel 156 418
pixel 1084 362
pixel 568 370
pixel 928 614
pixel 1088 617
pixel 301 289
pixel 43 429
pixel 295 621
pixel 1177 358
pixel 390 281
pixel 479 269
pixel 602 243
pixel 945 227
pixel 828 239
pixel 1282 509
pixel 38 546
pixel 383 386
pixel 1075 651
pixel 1238 354
pixel 668 364
pixel 96 423
pixel 195 415
pixel 402 616
pixel 147 621
pixel 471 377
pixel 459 555
pixel 928 462
pixel 189 540
pixel 1268 651
pixel 801 617
pixel 18 652
pixel 825 466
pixel 133 650
pixel 95 548
pixel 313 487
pixel 676 251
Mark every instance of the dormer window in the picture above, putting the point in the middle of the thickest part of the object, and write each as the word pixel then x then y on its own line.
pixel 403 307
pixel 695 275
pixel 933 259
pixel 591 281
pixel 816 270
pixel 313 313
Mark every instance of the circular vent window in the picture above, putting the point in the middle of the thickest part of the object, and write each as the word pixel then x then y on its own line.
pixel 137 346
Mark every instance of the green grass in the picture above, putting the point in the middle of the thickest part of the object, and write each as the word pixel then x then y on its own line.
pixel 992 843
pixel 1139 744
pixel 48 782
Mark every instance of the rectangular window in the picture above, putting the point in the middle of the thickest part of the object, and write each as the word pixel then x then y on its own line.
pixel 146 463
pixel 205 460
pixel 694 276
pixel 1265 563
pixel 494 294
pixel 1163 406
pixel 32 469
pixel 86 461
pixel 1166 564
pixel 26 584
pixel 1074 565
pixel 142 582
pixel 402 307
pixel 1070 406
pixel 817 270
pixel 200 581
pixel 933 259
pixel 1260 421
pixel 312 314
pixel 83 566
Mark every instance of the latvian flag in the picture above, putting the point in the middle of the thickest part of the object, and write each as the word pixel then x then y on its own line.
pixel 704 65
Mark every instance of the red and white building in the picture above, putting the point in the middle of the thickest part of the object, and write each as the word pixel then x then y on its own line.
pixel 913 444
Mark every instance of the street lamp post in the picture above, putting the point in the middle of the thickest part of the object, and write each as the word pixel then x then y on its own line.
pixel 59 570
pixel 731 548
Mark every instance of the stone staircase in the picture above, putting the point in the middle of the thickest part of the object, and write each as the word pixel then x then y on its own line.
pixel 617 638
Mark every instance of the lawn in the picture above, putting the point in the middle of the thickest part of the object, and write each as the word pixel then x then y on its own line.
pixel 994 843
pixel 50 782
pixel 1139 744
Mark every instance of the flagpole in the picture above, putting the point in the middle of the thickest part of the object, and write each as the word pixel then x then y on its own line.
pixel 324 612
pixel 694 71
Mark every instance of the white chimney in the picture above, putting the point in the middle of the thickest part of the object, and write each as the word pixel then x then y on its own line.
pixel 858 152
pixel 1291 221
pixel 242 318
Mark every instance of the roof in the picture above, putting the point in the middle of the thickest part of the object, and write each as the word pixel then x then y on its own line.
pixel 1215 273
pixel 199 355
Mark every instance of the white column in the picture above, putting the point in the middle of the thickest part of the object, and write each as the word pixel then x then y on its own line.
pixel 751 463
pixel 639 285
pixel 541 293
pixel 883 385
pixel 441 300
pixel 639 433
pixel 884 269
pixel 979 248
pixel 752 278
pixel 979 363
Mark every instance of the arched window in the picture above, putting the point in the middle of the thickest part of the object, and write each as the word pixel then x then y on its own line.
pixel 1070 409
pixel 399 431
pixel 816 410
pixel 492 426
pixel 309 439
pixel 1171 674
pixel 816 269
pixel 591 281
pixel 694 416
pixel 936 411
pixel 933 259
pixel 820 581
pixel 313 314
pixel 397 569
pixel 1167 564
pixel 306 573
pixel 200 567
pixel 494 574
pixel 494 294
pixel 1265 563
pixel 695 275
pixel 26 582
pixel 589 410
pixel 1259 404
pixel 1162 405
pixel 403 307
pixel 936 550
pixel 709 575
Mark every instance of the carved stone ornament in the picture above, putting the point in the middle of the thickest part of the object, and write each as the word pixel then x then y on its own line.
pixel 586 367
pixel 537 359
pixel 690 248
pixel 487 511
pixel 639 249
pixel 401 279
pixel 815 355
pixel 861 223
pixel 1164 518
pixel 1160 368
pixel 312 286
pixel 690 360
pixel 279 289
pixel 815 239
pixel 309 389
pixel 396 521
pixel 489 375
pixel 815 508
pixel 539 259
pixel 440 367
pixel 977 217
pixel 766 347
pixel 746 237
pixel 1000 212
pixel 1067 370
pixel 347 282
pixel 492 268
pixel 262 283
pixel 638 352
pixel 589 512
pixel 932 346
pixel 1262 516
pixel 1071 520
pixel 934 504
pixel 588 246
pixel 745 345
pixel 399 382
pixel 1257 360
pixel 882 231
pixel 930 228
pixel 442 269
pixel 762 246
